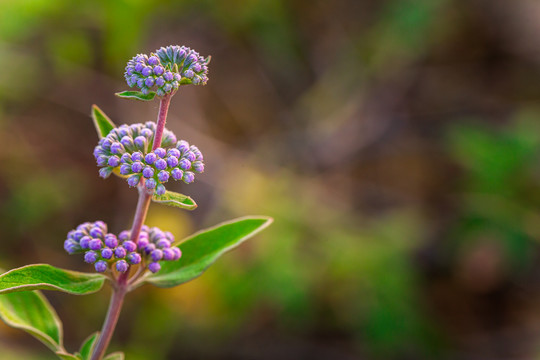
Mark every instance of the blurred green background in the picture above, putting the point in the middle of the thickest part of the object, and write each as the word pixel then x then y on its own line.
pixel 395 142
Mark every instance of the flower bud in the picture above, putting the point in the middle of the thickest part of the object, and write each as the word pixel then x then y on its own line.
pixel 85 242
pixel 95 244
pixel 172 161
pixel 147 71
pixel 163 243
pixel 124 235
pixel 156 255
pixel 143 242
pixel 133 180
pixel 100 266
pixel 122 266
pixel 129 245
pixel 137 167
pixel 90 257
pixel 163 176
pixel 117 148
pixel 154 267
pixel 198 166
pixel 190 156
pixel 96 232
pixel 120 252
pixel 105 172
pixel 161 164
pixel 160 190
pixel 149 82
pixel 185 164
pixel 134 258
pixel 106 253
pixel 168 76
pixel 168 254
pixel 177 253
pixel 151 184
pixel 150 158
pixel 137 156
pixel 140 142
pixel 125 169
pixel 147 133
pixel 160 152
pixel 71 246
pixel 148 172
pixel 153 60
pixel 114 161
pixel 127 141
pixel 111 240
pixel 177 174
pixel 182 146
pixel 102 160
pixel 188 177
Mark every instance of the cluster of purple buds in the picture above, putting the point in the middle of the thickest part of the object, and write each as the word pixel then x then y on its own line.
pixel 106 250
pixel 128 149
pixel 102 249
pixel 155 245
pixel 166 69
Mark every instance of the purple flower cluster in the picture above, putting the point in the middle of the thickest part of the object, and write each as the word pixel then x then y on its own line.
pixel 166 70
pixel 106 250
pixel 101 248
pixel 155 246
pixel 128 149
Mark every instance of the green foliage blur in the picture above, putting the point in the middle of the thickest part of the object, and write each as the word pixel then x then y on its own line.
pixel 395 142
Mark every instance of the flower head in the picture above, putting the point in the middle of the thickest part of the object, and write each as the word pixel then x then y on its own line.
pixel 127 150
pixel 166 69
pixel 108 251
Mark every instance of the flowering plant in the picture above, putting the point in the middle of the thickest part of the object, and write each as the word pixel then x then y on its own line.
pixel 147 156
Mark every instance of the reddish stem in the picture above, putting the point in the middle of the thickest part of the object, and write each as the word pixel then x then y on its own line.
pixel 121 287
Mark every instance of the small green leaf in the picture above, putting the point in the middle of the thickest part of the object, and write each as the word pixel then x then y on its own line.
pixel 137 95
pixel 88 346
pixel 115 356
pixel 203 248
pixel 30 311
pixel 175 199
pixel 103 124
pixel 65 356
pixel 47 277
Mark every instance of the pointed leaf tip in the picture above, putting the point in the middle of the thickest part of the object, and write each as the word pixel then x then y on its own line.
pixel 136 95
pixel 102 122
pixel 172 198
pixel 47 277
pixel 203 248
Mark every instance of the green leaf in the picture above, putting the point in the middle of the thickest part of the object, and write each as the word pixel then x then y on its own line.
pixel 115 356
pixel 137 95
pixel 203 248
pixel 103 124
pixel 30 311
pixel 175 199
pixel 47 277
pixel 65 356
pixel 88 346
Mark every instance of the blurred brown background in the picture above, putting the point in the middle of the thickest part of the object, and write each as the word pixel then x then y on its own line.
pixel 395 142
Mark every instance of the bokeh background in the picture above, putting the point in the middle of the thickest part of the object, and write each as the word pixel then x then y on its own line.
pixel 395 142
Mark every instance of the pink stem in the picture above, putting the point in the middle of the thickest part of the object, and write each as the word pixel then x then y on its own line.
pixel 121 288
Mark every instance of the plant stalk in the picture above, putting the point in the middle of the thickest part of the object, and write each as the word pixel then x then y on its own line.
pixel 121 286
pixel 115 306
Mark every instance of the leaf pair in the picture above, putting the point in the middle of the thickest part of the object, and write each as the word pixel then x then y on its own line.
pixel 31 311
pixel 24 307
